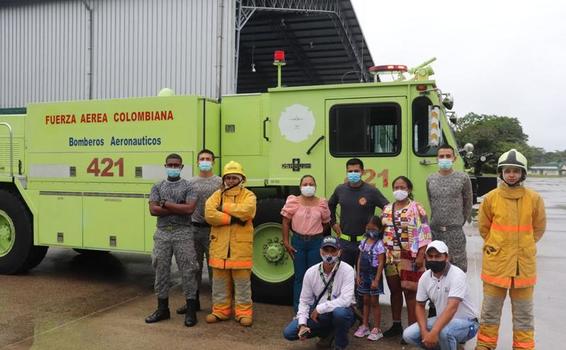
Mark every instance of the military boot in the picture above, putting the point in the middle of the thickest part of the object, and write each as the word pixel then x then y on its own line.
pixel 162 312
pixel 183 309
pixel 191 314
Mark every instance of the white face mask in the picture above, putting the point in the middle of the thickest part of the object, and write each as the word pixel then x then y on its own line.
pixel 308 191
pixel 329 259
pixel 400 195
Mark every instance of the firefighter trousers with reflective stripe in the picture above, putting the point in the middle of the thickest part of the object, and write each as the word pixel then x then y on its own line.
pixel 228 284
pixel 523 318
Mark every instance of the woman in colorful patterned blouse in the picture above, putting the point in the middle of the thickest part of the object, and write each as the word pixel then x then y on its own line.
pixel 306 215
pixel 407 234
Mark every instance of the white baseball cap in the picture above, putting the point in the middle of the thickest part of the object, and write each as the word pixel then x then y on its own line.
pixel 440 247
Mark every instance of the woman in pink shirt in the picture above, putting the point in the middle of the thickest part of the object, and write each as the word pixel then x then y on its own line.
pixel 307 216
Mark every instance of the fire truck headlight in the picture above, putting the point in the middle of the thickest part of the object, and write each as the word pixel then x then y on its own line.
pixel 448 101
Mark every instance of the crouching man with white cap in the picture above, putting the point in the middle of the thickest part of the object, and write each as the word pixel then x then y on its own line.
pixel 326 297
pixel 445 286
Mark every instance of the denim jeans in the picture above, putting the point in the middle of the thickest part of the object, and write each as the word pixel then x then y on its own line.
pixel 456 331
pixel 340 320
pixel 307 255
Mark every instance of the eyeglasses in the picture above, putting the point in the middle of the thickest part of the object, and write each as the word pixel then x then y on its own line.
pixel 231 178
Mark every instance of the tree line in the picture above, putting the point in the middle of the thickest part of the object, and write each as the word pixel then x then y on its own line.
pixel 493 135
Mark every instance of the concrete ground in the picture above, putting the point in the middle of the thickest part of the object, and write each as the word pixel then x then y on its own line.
pixel 75 301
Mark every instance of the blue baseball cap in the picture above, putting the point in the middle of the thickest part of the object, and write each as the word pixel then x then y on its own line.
pixel 330 241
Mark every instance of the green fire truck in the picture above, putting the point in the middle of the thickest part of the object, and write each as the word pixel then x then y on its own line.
pixel 77 174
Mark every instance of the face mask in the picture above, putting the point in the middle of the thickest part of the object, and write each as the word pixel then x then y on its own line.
pixel 373 234
pixel 436 266
pixel 329 259
pixel 173 172
pixel 354 177
pixel 400 195
pixel 205 165
pixel 308 191
pixel 445 164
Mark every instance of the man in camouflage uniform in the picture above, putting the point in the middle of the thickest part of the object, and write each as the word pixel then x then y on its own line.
pixel 450 196
pixel 169 202
pixel 202 187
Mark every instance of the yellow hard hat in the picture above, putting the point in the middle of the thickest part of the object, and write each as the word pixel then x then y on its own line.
pixel 233 168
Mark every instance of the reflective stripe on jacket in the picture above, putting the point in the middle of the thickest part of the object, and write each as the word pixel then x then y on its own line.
pixel 511 221
pixel 231 244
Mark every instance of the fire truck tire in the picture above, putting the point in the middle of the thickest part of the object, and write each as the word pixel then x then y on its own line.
pixel 272 274
pixel 36 256
pixel 16 235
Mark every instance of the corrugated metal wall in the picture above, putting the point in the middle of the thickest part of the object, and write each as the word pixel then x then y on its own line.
pixel 139 47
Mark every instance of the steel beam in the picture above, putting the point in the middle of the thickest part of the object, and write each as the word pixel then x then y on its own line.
pixel 246 8
pixel 292 5
pixel 286 34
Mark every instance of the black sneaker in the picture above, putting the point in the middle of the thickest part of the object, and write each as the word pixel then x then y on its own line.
pixel 395 330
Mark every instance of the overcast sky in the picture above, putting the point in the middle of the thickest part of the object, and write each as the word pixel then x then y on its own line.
pixel 496 57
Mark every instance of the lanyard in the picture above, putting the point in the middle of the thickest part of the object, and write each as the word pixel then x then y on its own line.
pixel 327 285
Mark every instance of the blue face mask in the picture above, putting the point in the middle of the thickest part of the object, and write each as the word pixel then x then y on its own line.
pixel 354 177
pixel 445 164
pixel 205 165
pixel 173 172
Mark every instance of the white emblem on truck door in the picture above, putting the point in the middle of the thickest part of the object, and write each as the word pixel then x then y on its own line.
pixel 296 123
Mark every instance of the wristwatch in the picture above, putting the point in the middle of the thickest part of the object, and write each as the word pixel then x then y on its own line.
pixel 162 203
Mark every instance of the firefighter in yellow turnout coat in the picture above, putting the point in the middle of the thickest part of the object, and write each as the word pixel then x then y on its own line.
pixel 511 220
pixel 230 212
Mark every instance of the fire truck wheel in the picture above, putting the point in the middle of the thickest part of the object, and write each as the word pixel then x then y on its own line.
pixel 16 235
pixel 272 273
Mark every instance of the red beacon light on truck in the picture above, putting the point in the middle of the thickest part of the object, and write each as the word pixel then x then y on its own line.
pixel 279 56
pixel 387 68
pixel 279 61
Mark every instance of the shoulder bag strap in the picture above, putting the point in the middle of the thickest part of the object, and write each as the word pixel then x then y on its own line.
pixel 326 285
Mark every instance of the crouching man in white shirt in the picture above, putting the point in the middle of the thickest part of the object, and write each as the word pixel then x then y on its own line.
pixel 326 297
pixel 445 286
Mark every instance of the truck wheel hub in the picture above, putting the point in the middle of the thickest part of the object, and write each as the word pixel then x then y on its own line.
pixel 273 251
pixel 7 233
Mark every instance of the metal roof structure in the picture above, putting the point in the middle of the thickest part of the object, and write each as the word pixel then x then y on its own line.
pixel 54 50
pixel 323 41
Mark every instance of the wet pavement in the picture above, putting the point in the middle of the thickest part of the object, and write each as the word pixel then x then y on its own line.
pixel 75 301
